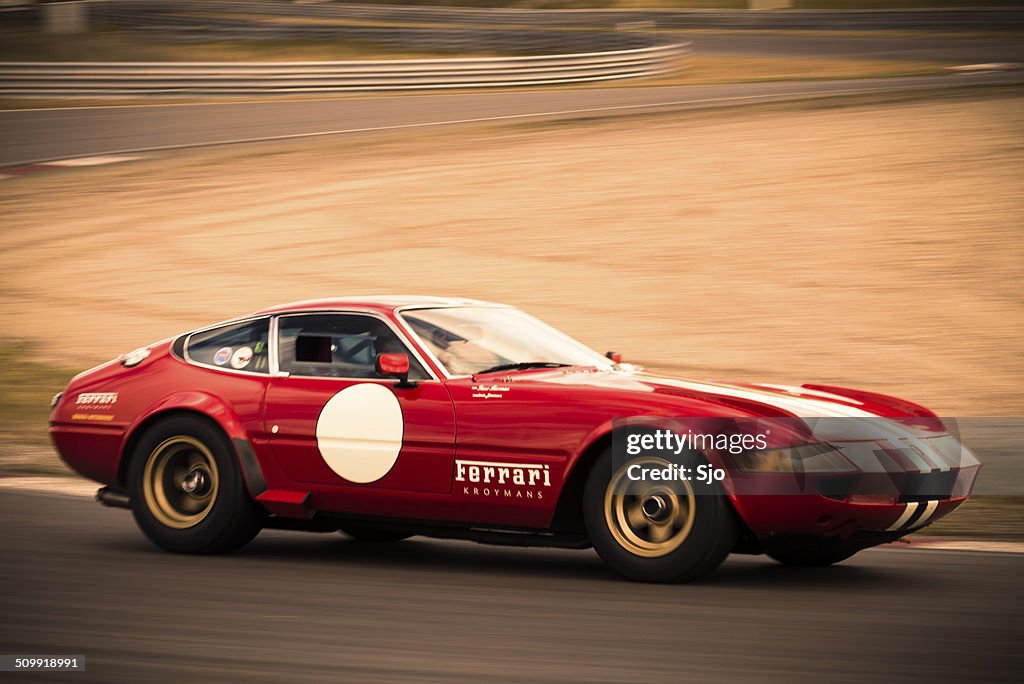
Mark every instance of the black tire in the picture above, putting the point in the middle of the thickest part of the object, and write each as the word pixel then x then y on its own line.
pixel 827 553
pixel 373 532
pixel 711 535
pixel 218 516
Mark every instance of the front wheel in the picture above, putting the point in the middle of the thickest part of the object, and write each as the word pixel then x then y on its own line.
pixel 186 489
pixel 654 531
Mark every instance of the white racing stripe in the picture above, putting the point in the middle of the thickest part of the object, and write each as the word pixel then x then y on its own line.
pixel 804 407
pixel 902 520
pixel 803 391
pixel 914 456
pixel 908 513
pixel 809 407
pixel 928 511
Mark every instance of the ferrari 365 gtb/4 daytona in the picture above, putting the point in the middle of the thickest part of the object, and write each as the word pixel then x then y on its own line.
pixel 389 417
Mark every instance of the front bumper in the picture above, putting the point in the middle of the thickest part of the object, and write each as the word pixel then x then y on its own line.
pixel 770 516
pixel 890 493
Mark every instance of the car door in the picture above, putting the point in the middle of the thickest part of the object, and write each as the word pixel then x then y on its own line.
pixel 334 422
pixel 515 440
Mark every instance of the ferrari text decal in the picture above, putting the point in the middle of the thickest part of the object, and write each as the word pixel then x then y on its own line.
pixel 505 480
pixel 96 399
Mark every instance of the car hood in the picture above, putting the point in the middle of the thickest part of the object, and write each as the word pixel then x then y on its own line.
pixel 828 413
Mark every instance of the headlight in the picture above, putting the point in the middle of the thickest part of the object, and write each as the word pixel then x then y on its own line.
pixel 810 458
pixel 56 399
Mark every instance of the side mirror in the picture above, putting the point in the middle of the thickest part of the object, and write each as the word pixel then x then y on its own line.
pixel 396 366
pixel 616 357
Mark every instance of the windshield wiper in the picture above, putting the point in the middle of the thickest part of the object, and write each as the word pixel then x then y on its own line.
pixel 522 366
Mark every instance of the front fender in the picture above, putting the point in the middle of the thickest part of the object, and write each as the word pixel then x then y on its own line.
pixel 600 438
pixel 883 404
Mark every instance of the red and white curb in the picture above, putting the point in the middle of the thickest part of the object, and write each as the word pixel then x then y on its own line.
pixel 68 486
pixel 985 68
pixel 25 169
pixel 73 486
pixel 962 545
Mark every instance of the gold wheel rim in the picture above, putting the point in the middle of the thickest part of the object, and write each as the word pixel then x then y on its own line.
pixel 648 519
pixel 180 482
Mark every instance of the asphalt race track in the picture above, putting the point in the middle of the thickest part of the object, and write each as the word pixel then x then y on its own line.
pixel 844 46
pixel 49 134
pixel 292 607
pixel 34 135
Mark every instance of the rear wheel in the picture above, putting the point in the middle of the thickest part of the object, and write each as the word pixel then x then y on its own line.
pixel 187 492
pixel 373 532
pixel 655 531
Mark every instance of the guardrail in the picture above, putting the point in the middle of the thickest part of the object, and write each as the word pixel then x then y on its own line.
pixel 948 18
pixel 74 79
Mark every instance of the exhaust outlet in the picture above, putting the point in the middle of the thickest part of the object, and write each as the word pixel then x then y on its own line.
pixel 115 498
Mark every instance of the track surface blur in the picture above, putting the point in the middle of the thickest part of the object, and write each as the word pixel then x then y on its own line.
pixel 80 579
pixel 32 135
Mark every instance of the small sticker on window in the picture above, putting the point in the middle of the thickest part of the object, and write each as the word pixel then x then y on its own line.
pixel 222 356
pixel 241 358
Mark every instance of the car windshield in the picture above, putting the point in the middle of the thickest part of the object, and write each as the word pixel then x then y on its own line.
pixel 474 339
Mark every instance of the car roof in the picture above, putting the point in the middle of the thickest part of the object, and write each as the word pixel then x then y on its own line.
pixel 380 303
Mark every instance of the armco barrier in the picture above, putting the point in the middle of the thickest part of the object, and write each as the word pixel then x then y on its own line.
pixel 80 79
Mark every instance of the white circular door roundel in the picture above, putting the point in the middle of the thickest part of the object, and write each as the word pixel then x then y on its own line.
pixel 359 432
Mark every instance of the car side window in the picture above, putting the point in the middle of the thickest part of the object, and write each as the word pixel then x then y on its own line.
pixel 338 346
pixel 235 346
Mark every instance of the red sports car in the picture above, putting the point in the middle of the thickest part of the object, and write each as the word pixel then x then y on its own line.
pixel 388 417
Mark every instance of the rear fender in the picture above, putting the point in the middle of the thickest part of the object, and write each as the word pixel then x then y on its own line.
pixel 210 407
